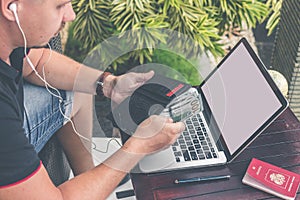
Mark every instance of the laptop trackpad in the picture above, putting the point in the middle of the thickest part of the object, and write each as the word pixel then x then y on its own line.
pixel 157 161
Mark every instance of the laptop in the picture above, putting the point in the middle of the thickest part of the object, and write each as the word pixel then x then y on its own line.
pixel 239 99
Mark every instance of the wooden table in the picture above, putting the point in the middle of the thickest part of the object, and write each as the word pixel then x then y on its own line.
pixel 279 144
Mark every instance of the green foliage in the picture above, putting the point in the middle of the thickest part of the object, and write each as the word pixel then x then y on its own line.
pixel 273 14
pixel 141 22
pixel 92 23
pixel 74 48
pixel 234 13
pixel 186 68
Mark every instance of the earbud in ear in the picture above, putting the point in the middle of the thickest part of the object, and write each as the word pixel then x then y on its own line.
pixel 13 7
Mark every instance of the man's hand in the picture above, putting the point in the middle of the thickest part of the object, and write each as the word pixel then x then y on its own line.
pixel 154 134
pixel 124 85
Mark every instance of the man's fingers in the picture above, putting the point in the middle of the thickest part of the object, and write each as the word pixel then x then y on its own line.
pixel 179 127
pixel 143 77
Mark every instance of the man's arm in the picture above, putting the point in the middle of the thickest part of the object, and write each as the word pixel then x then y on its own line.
pixel 96 184
pixel 60 71
pixel 152 135
pixel 64 73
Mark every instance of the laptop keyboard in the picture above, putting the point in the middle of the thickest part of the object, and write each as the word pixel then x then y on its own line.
pixel 194 143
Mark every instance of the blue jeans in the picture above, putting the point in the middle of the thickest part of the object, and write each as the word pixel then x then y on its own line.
pixel 42 116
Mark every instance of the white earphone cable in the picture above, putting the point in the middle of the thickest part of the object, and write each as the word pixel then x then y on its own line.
pixel 58 95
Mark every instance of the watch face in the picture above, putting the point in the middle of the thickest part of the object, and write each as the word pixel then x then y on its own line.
pixel 100 83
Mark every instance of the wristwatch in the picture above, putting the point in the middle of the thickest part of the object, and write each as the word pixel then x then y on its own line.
pixel 100 83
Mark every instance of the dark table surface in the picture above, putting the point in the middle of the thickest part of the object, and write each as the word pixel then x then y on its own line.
pixel 279 144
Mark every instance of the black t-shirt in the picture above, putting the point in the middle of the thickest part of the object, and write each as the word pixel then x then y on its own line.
pixel 18 159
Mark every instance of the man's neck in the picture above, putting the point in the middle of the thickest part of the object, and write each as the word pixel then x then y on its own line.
pixel 5 50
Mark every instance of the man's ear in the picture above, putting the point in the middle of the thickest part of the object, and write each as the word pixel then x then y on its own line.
pixel 6 12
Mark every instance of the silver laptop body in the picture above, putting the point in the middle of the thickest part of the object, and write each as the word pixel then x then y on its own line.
pixel 240 100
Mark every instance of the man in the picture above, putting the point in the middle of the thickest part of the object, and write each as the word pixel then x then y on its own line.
pixel 22 175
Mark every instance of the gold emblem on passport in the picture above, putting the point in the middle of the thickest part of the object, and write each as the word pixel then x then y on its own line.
pixel 278 179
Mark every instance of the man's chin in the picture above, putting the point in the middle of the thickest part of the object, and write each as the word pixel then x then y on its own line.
pixel 41 44
pixel 56 34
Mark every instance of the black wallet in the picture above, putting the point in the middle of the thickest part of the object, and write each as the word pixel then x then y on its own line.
pixel 149 99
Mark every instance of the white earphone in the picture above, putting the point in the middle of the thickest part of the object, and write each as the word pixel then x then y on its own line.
pixel 13 7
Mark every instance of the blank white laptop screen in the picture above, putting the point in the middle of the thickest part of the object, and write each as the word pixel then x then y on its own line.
pixel 240 104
